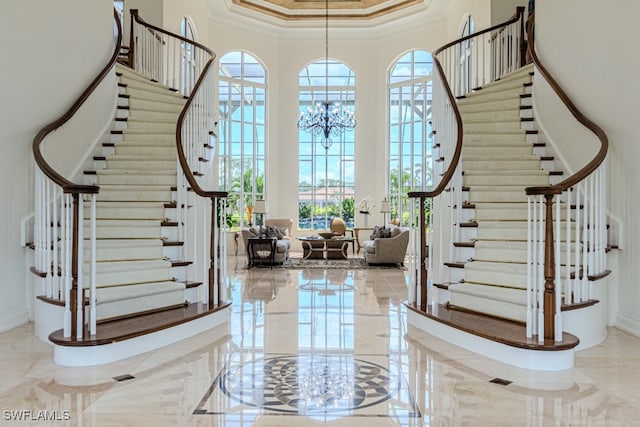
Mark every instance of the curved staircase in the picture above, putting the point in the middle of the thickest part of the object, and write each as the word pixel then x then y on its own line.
pixel 116 272
pixel 510 262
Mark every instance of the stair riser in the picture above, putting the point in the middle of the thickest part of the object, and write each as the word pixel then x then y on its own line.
pixel 168 98
pixel 489 306
pixel 500 165
pixel 487 96
pixel 501 105
pixel 125 277
pixel 503 233
pixel 517 214
pixel 496 278
pixel 517 180
pixel 511 82
pixel 509 232
pixel 140 304
pixel 167 165
pixel 136 126
pixel 509 151
pixel 122 254
pixel 142 104
pixel 509 255
pixel 125 232
pixel 146 86
pixel 493 126
pixel 132 212
pixel 136 180
pixel 134 196
pixel 490 116
pixel 470 139
pixel 165 150
pixel 497 196
pixel 155 138
pixel 153 116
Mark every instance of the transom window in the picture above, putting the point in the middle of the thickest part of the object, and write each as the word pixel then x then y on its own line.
pixel 326 185
pixel 242 96
pixel 410 158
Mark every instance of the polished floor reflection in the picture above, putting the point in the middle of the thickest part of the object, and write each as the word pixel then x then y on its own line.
pixel 317 347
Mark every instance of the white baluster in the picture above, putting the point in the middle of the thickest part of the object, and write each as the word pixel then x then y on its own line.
pixel 529 319
pixel 92 269
pixel 80 298
pixel 541 278
pixel 558 280
pixel 67 265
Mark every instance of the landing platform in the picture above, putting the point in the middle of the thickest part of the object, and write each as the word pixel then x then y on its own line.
pixel 122 338
pixel 499 339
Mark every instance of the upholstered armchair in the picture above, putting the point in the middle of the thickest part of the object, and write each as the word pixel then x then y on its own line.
pixel 387 250
pixel 283 223
pixel 283 233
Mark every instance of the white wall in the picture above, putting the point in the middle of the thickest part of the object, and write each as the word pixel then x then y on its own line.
pixel 49 56
pixel 589 47
pixel 501 10
pixel 284 51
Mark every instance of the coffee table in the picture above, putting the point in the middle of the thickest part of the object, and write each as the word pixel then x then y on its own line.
pixel 319 248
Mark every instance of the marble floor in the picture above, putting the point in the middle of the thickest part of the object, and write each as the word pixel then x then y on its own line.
pixel 311 347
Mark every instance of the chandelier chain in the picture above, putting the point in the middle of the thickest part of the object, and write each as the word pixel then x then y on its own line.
pixel 327 120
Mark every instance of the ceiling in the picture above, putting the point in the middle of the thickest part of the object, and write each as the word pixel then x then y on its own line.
pixel 301 10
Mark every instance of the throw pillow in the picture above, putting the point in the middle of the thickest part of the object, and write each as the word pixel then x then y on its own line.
pixel 281 232
pixel 374 233
pixel 269 231
pixel 380 233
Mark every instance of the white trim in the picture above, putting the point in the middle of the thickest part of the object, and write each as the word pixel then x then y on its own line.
pixel 107 353
pixel 14 318
pixel 628 325
pixel 519 357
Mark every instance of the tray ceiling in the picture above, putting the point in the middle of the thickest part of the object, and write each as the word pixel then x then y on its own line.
pixel 292 10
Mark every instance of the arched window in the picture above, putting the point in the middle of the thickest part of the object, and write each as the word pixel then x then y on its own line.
pixel 466 63
pixel 326 184
pixel 241 131
pixel 410 157
pixel 188 53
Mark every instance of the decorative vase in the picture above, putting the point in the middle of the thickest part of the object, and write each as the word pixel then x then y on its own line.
pixel 250 214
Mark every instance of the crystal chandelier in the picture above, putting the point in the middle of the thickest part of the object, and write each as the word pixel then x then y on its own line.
pixel 327 119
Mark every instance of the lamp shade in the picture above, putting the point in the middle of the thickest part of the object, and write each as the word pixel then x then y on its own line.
pixel 260 207
pixel 385 207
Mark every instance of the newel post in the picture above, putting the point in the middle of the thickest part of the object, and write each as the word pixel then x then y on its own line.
pixel 549 271
pixel 423 256
pixel 73 293
pixel 421 275
pixel 212 253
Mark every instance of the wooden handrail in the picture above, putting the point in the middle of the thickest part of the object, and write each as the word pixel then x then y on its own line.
pixel 191 179
pixel 602 136
pixel 193 183
pixel 446 177
pixel 139 20
pixel 68 186
pixel 513 19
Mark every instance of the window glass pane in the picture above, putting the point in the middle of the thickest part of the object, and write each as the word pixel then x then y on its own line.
pixel 326 174
pixel 409 112
pixel 241 132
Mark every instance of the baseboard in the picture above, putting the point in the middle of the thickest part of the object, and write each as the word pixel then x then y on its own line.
pixel 628 325
pixel 13 319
